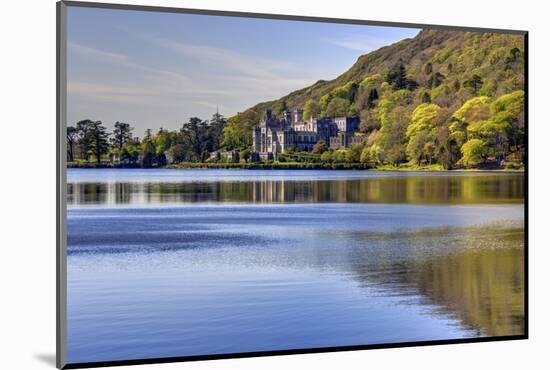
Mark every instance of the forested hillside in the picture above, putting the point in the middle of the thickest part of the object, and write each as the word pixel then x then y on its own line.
pixel 443 97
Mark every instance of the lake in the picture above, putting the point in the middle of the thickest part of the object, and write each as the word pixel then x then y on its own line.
pixel 166 263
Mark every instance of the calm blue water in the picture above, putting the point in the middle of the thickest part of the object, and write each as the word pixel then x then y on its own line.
pixel 154 273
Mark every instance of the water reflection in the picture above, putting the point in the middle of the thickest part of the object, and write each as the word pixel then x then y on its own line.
pixel 476 275
pixel 467 189
pixel 325 259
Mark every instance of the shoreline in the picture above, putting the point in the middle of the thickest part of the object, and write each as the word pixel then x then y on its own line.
pixel 297 166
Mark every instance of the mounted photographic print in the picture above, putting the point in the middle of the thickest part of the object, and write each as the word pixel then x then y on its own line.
pixel 235 184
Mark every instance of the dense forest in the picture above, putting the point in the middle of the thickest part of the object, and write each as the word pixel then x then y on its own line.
pixel 444 99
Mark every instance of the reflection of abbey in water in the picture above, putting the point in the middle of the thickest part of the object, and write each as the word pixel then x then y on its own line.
pixel 274 136
pixel 385 189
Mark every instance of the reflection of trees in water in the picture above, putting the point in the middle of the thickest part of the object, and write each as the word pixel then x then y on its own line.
pixel 473 274
pixel 390 189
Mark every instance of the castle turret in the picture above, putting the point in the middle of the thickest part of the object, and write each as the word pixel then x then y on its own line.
pixel 298 115
pixel 287 117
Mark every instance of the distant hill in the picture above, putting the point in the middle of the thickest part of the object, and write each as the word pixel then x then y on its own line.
pixel 414 89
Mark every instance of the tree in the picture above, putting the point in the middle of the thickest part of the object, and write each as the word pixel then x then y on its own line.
pixel 320 147
pixel 353 154
pixel 392 138
pixel 83 129
pixel 311 109
pixel 435 80
pixel 474 152
pixel 397 76
pixel 130 151
pixel 428 68
pixel 148 134
pixel 192 133
pixel 280 108
pixel 237 133
pixel 147 154
pixel 339 156
pixel 122 133
pixel 509 118
pixel 178 153
pixel 373 96
pixel 420 133
pixel 98 140
pixel 204 156
pixel 215 130
pixel 245 155
pixel 326 156
pixel 338 107
pixel 164 140
pixel 372 154
pixel 365 155
pixel 72 137
pixel 426 97
pixel 474 83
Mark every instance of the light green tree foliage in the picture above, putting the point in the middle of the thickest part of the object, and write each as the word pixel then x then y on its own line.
pixel 311 109
pixel 421 131
pixel 338 107
pixel 475 109
pixel 390 101
pixel 509 118
pixel 501 127
pixel 353 154
pixel 372 154
pixel 371 81
pixel 346 91
pixel 339 156
pixel 327 156
pixel 506 110
pixel 471 112
pixel 392 135
pixel 474 152
pixel 164 140
pixel 337 99
pixel 323 103
pixel 237 131
pixel 130 151
pixel 365 155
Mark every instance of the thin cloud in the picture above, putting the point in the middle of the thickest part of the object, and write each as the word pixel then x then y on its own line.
pixel 359 43
pixel 246 65
pixel 97 54
pixel 123 60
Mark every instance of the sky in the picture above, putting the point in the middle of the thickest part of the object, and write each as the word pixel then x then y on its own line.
pixel 156 70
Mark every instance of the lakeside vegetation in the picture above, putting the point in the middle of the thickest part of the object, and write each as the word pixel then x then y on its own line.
pixel 443 100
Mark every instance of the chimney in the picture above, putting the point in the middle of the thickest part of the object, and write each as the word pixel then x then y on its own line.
pixel 268 114
pixel 298 115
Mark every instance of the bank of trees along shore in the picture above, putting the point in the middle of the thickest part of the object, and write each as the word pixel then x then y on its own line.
pixel 89 142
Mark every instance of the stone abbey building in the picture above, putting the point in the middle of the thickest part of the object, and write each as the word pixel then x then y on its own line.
pixel 273 136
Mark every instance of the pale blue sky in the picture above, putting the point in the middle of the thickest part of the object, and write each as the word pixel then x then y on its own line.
pixel 158 69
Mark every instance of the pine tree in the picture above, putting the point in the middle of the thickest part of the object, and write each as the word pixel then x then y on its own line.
pixel 98 138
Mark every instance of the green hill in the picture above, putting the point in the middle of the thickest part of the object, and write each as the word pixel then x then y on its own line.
pixel 446 97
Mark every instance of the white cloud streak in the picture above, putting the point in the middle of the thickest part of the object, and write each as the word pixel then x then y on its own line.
pixel 358 43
